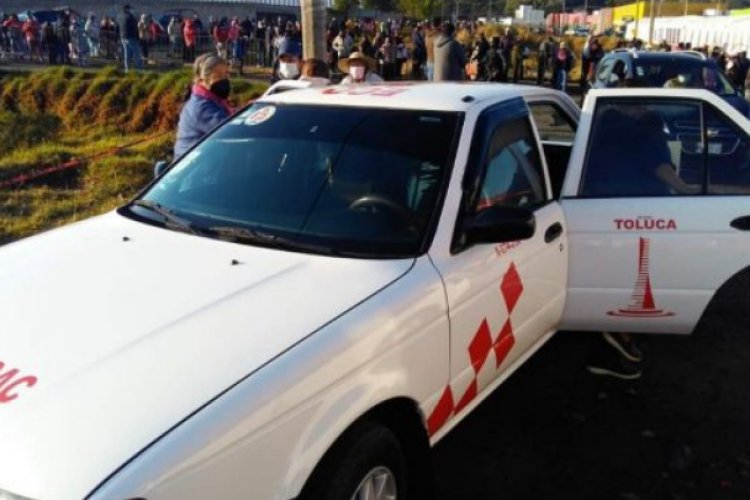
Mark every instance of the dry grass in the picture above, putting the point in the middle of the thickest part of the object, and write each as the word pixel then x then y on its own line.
pixel 60 114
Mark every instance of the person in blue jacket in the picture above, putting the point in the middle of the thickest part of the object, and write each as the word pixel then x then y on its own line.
pixel 207 105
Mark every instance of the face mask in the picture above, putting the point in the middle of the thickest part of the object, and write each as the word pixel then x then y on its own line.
pixel 288 70
pixel 357 72
pixel 221 89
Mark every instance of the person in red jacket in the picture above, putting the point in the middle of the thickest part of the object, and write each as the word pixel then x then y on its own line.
pixel 190 35
pixel 221 35
pixel 32 32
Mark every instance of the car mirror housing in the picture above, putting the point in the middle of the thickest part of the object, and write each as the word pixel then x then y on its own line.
pixel 499 224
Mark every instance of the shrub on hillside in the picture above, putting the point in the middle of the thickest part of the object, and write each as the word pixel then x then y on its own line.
pixel 23 131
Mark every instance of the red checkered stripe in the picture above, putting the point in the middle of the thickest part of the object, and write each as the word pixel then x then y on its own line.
pixel 480 347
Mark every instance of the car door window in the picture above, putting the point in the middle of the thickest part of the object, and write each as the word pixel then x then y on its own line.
pixel 644 148
pixel 513 170
pixel 727 155
pixel 552 123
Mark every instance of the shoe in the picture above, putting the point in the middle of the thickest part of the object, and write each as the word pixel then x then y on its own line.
pixel 606 362
pixel 627 348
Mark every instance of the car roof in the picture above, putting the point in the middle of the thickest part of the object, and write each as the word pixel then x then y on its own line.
pixel 682 57
pixel 447 96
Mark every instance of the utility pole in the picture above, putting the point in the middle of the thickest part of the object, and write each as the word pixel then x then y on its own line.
pixel 313 29
pixel 637 18
pixel 651 23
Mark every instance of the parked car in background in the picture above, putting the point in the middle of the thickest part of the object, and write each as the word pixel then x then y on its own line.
pixel 628 68
pixel 51 16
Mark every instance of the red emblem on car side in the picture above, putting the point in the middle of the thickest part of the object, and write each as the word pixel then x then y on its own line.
pixel 642 303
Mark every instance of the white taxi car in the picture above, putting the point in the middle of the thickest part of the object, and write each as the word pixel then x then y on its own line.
pixel 321 289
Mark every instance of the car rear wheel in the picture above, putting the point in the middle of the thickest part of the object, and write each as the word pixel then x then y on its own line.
pixel 367 463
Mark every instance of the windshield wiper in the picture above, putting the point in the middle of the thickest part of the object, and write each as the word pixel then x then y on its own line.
pixel 259 237
pixel 170 218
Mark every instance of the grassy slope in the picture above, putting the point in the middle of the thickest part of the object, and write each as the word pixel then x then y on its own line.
pixel 60 114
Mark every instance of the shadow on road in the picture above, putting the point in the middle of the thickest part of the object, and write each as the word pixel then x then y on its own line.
pixel 553 431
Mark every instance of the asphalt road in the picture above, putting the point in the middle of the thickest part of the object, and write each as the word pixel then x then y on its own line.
pixel 553 431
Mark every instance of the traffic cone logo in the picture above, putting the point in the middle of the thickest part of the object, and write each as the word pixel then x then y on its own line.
pixel 642 303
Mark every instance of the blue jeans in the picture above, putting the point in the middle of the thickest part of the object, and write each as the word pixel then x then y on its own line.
pixel 131 48
pixel 429 70
pixel 561 79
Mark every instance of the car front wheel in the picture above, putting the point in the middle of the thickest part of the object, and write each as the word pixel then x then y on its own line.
pixel 366 464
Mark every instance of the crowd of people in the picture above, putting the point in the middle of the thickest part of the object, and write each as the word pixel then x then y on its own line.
pixel 391 49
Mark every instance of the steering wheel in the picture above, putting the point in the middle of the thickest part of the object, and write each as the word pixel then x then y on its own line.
pixel 404 214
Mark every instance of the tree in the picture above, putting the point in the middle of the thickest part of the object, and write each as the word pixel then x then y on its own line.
pixel 420 9
pixel 381 5
pixel 343 6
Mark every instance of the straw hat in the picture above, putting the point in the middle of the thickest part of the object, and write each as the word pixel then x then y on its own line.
pixel 356 56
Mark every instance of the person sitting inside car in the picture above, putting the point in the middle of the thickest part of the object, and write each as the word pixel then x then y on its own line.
pixel 207 105
pixel 358 68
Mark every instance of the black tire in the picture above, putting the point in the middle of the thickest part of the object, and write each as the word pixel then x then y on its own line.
pixel 364 448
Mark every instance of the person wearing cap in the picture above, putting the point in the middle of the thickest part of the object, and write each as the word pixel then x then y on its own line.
pixel 359 68
pixel 129 38
pixel 207 105
pixel 287 65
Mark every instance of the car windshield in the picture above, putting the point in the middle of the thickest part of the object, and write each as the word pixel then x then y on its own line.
pixel 337 180
pixel 682 74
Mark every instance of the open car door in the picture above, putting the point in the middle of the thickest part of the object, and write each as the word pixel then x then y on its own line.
pixel 657 202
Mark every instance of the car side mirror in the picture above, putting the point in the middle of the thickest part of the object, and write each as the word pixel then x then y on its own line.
pixel 160 167
pixel 499 224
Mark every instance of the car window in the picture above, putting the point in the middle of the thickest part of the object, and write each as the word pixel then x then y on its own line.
pixel 336 177
pixel 552 123
pixel 644 148
pixel 514 174
pixel 727 155
pixel 695 74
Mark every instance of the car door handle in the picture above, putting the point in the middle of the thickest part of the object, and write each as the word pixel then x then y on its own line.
pixel 741 223
pixel 553 232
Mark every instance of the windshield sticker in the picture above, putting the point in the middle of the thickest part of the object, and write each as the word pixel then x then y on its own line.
pixel 260 116
pixel 12 383
pixel 645 223
pixel 642 302
pixel 240 118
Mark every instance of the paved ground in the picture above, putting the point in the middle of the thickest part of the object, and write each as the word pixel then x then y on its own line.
pixel 553 431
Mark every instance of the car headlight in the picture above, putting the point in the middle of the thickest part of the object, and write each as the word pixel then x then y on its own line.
pixel 6 495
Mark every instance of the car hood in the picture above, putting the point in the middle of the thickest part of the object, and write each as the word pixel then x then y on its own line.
pixel 114 331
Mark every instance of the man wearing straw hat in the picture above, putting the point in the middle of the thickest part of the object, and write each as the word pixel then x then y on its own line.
pixel 359 68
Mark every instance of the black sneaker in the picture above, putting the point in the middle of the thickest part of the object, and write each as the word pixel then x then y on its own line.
pixel 607 362
pixel 628 349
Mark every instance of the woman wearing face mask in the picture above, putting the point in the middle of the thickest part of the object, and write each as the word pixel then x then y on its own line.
pixel 359 68
pixel 207 105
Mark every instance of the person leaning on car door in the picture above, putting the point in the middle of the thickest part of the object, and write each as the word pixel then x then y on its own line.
pixel 207 105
